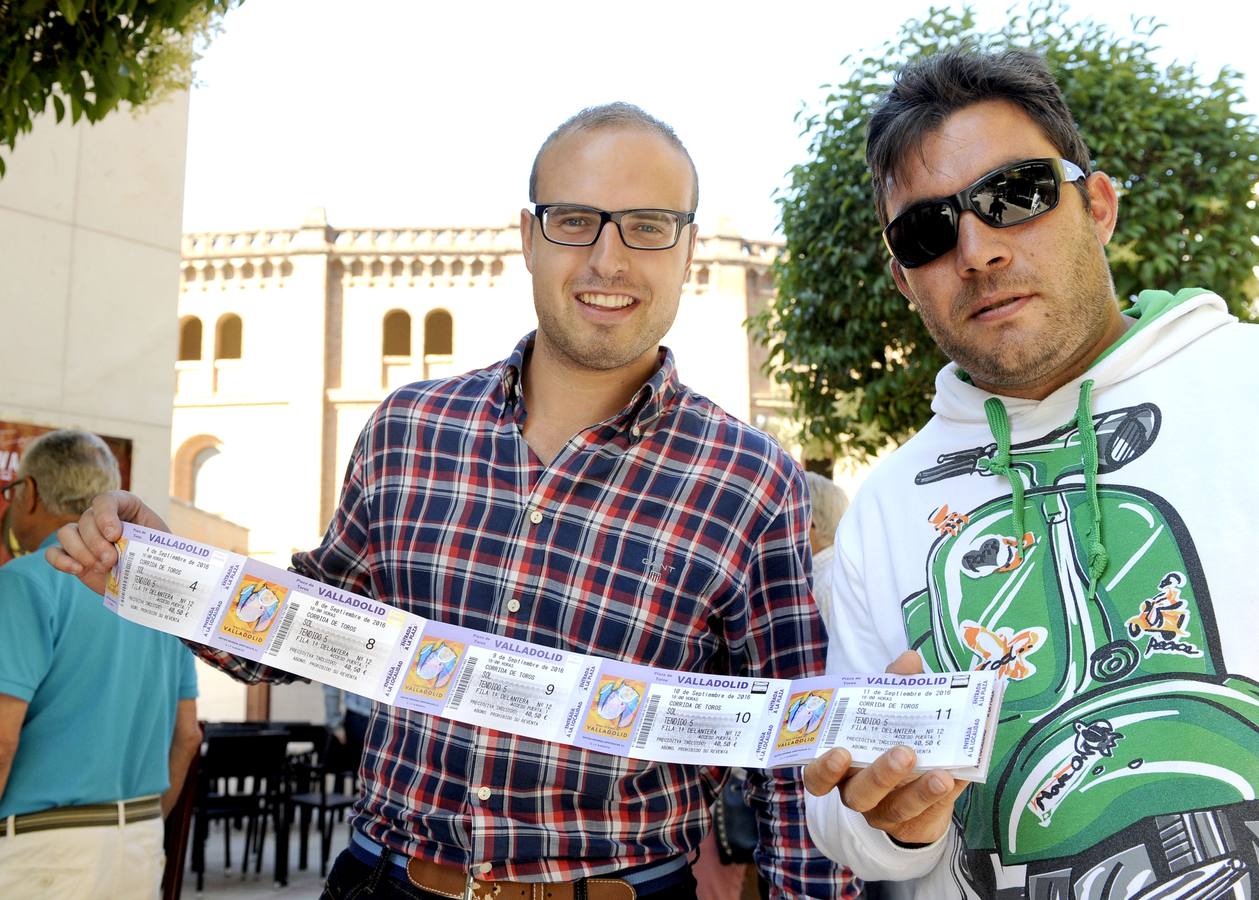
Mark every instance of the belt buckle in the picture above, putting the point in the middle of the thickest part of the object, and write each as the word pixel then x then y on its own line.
pixel 472 888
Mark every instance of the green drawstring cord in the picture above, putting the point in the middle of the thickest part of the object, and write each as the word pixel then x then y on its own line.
pixel 1001 464
pixel 1088 447
pixel 999 424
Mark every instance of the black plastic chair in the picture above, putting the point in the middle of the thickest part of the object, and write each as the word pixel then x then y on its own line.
pixel 316 790
pixel 241 779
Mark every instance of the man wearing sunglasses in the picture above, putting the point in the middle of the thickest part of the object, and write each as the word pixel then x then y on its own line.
pixel 577 495
pixel 1076 516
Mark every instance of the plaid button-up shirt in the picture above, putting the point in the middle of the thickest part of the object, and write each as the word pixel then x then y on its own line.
pixel 669 535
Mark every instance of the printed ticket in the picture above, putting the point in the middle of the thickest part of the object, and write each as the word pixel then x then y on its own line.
pixel 296 625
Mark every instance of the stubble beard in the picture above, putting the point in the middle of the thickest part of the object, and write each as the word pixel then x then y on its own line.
pixel 1067 329
pixel 602 349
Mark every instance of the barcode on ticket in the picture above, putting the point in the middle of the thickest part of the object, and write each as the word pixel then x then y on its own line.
pixel 461 687
pixel 837 721
pixel 282 632
pixel 649 719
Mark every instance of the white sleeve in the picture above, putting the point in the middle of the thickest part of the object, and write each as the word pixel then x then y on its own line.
pixel 844 836
pixel 866 637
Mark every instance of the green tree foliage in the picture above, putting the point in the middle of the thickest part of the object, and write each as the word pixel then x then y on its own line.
pixel 94 54
pixel 857 360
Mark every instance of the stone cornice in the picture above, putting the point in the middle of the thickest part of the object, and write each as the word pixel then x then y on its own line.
pixel 400 256
pixel 473 242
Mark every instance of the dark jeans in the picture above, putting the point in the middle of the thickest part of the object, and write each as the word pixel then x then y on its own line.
pixel 352 879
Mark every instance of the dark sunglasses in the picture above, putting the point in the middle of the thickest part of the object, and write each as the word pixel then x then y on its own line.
pixel 1011 195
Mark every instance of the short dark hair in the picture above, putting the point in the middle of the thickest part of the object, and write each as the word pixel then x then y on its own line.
pixel 614 115
pixel 928 91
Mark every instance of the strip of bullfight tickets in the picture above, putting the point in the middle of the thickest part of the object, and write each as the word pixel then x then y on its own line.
pixel 259 612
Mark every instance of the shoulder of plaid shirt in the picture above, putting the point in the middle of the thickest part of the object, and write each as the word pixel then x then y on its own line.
pixel 672 535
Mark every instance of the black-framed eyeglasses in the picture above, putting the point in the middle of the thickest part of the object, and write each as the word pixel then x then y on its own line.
pixel 1011 195
pixel 6 492
pixel 573 225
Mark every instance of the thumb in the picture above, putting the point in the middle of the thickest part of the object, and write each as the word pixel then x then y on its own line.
pixel 908 663
pixel 823 774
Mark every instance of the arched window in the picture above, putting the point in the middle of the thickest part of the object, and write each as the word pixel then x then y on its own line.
pixel 209 481
pixel 396 333
pixel 190 338
pixel 227 338
pixel 187 464
pixel 438 334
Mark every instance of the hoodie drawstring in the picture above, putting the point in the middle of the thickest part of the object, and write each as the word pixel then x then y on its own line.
pixel 1001 464
pixel 999 424
pixel 1097 557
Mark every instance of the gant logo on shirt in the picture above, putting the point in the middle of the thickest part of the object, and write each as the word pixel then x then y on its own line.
pixel 655 567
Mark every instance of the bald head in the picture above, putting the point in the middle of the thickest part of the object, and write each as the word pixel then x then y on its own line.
pixel 617 115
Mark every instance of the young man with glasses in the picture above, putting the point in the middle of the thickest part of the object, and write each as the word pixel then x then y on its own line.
pixel 1076 516
pixel 577 495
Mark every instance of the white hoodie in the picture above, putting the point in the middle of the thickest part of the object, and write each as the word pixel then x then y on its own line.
pixel 1131 694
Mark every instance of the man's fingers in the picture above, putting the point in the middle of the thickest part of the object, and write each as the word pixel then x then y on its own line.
pixel 867 789
pixel 73 558
pixel 828 770
pixel 908 663
pixel 922 795
pixel 69 555
pixel 101 524
pixel 105 515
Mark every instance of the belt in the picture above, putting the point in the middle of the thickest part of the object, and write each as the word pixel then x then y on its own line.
pixel 123 812
pixel 454 882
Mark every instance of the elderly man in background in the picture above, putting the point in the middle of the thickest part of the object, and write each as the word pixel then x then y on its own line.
pixel 829 503
pixel 98 717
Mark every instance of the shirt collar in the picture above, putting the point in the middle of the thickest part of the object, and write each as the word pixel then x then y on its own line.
pixel 509 379
pixel 652 398
pixel 647 403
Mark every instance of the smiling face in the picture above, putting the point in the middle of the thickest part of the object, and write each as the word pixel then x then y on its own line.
pixel 1024 309
pixel 606 307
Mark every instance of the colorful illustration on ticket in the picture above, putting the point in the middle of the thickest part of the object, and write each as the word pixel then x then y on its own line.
pixel 614 707
pixel 803 717
pixel 111 583
pixel 433 668
pixel 253 610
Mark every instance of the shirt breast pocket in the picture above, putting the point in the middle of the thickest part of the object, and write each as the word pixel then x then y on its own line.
pixel 651 603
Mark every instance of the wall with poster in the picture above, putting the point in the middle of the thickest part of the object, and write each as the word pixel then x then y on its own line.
pixel 14 436
pixel 89 246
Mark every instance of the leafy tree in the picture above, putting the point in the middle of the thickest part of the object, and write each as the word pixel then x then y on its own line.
pixel 94 54
pixel 855 357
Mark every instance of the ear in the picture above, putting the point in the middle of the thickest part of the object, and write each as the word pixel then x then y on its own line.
pixel 902 284
pixel 526 237
pixel 1103 205
pixel 690 252
pixel 30 497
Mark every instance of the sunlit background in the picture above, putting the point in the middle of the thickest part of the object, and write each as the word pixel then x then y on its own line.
pixel 425 113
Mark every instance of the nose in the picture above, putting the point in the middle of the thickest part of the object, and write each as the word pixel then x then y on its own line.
pixel 608 255
pixel 980 247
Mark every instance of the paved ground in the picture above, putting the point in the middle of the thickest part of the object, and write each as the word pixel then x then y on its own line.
pixel 231 884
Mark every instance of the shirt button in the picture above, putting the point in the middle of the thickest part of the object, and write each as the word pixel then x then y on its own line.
pixel 483 868
pixel 636 431
pixel 535 516
pixel 513 605
pixel 484 793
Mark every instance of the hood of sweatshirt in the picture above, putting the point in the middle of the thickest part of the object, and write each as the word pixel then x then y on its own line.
pixel 1164 323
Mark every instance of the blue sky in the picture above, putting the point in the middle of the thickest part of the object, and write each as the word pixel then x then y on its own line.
pixel 415 114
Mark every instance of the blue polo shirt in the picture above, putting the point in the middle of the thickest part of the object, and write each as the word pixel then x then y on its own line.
pixel 102 692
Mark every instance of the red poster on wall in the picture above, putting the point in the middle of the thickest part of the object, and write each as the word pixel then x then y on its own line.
pixel 14 436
